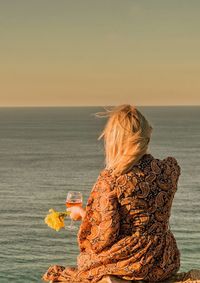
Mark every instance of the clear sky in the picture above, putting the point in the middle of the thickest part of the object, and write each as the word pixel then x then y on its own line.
pixel 99 52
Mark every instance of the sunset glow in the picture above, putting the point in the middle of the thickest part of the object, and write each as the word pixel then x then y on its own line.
pixel 63 53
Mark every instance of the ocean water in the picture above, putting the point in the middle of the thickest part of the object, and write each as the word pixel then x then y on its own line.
pixel 45 152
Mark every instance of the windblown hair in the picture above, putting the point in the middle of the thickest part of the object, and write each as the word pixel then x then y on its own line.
pixel 126 137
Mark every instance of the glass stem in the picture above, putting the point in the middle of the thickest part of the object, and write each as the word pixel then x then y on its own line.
pixel 72 224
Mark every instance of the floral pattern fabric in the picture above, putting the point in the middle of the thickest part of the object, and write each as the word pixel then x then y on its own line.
pixel 126 228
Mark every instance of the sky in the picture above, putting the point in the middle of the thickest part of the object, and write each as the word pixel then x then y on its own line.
pixel 99 52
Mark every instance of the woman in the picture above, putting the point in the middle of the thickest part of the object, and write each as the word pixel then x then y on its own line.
pixel 125 226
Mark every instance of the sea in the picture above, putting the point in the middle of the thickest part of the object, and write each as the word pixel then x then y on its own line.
pixel 47 151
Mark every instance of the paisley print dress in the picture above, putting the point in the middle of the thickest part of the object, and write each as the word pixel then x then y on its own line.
pixel 126 228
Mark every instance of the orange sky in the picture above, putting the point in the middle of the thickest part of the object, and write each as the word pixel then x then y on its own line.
pixel 99 52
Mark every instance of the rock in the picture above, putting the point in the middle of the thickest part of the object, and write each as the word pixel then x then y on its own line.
pixel 192 276
pixel 113 279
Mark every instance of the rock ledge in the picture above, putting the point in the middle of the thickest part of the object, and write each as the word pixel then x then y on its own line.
pixel 192 276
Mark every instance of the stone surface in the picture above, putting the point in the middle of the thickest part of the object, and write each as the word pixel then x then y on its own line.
pixel 192 276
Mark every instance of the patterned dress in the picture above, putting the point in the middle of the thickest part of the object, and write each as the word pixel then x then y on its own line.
pixel 126 228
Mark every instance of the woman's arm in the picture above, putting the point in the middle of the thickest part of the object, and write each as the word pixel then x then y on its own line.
pixel 100 226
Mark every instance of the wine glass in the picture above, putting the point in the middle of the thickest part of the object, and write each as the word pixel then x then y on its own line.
pixel 73 199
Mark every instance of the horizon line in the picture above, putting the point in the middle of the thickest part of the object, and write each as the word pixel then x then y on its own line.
pixel 64 106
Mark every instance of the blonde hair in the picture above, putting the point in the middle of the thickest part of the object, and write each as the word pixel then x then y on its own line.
pixel 126 137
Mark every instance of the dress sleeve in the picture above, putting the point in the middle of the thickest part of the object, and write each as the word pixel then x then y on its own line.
pixel 100 226
pixel 170 174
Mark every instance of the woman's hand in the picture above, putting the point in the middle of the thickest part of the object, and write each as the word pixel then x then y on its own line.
pixel 76 212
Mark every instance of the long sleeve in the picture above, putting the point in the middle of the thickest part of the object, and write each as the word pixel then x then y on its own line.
pixel 100 227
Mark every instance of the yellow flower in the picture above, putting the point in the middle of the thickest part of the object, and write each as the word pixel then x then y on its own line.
pixel 55 219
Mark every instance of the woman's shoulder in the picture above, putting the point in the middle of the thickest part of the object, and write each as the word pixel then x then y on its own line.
pixel 171 161
pixel 105 173
pixel 165 165
pixel 105 180
pixel 148 162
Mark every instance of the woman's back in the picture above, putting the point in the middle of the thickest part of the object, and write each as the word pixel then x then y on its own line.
pixel 125 231
pixel 145 195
